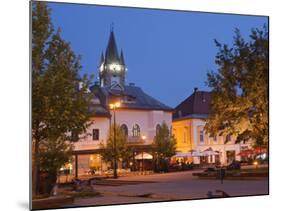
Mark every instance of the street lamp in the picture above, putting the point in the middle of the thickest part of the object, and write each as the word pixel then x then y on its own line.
pixel 113 107
pixel 142 165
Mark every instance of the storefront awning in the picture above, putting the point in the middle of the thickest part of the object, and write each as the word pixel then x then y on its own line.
pixel 143 156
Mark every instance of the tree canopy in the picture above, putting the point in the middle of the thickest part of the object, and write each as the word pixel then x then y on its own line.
pixel 61 102
pixel 239 104
pixel 107 149
pixel 164 144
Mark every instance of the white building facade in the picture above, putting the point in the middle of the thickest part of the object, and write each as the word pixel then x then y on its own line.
pixel 138 114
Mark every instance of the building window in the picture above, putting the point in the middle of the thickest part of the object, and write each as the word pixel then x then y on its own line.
pixel 74 136
pixel 158 128
pixel 201 136
pixel 124 129
pixel 184 137
pixel 179 113
pixel 227 138
pixel 215 139
pixel 96 134
pixel 136 130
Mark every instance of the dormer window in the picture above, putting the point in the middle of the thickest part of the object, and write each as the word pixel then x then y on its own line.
pixel 179 113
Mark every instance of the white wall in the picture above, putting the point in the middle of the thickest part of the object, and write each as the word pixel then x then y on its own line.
pixel 218 145
pixel 146 119
pixel 87 142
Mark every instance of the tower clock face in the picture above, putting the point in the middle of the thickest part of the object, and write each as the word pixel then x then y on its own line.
pixel 115 67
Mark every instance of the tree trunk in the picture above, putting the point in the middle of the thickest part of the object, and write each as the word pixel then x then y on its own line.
pixel 35 168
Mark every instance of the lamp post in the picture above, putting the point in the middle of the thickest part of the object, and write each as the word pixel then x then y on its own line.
pixel 142 163
pixel 113 107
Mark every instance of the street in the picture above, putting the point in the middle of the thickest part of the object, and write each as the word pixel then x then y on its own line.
pixel 170 186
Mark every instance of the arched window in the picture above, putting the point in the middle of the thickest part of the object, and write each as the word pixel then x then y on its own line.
pixel 158 128
pixel 201 136
pixel 124 129
pixel 136 130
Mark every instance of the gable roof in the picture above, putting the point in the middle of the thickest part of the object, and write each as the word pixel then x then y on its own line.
pixel 197 105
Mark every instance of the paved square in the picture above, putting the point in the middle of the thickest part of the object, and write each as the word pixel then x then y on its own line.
pixel 171 186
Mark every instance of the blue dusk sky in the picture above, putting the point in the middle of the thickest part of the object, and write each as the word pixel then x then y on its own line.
pixel 167 53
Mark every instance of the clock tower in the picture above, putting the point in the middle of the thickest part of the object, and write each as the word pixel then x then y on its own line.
pixel 112 66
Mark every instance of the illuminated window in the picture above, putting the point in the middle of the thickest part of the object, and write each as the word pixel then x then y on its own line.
pixel 124 129
pixel 136 130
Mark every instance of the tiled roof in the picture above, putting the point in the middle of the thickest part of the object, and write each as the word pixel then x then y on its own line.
pixel 196 105
pixel 132 97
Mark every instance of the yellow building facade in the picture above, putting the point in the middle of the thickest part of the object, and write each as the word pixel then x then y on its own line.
pixel 182 132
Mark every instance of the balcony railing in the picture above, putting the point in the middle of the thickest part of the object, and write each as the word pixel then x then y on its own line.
pixel 135 140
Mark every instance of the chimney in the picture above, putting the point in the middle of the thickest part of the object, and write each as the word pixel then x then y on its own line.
pixel 195 89
pixel 131 84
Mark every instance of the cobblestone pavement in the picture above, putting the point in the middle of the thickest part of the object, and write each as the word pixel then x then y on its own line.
pixel 170 186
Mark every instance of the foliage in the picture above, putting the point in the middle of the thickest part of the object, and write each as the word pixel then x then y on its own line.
pixel 239 103
pixel 60 97
pixel 53 154
pixel 41 31
pixel 164 144
pixel 107 149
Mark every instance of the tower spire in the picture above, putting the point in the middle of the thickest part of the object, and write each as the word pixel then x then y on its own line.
pixel 112 66
pixel 101 58
pixel 111 53
pixel 122 60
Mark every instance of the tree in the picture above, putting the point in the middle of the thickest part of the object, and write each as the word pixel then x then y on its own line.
pixel 53 154
pixel 41 31
pixel 164 146
pixel 61 102
pixel 239 104
pixel 107 149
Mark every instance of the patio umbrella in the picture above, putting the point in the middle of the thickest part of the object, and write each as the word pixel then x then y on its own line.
pixel 260 149
pixel 143 156
pixel 245 153
pixel 209 151
pixel 182 154
pixel 195 153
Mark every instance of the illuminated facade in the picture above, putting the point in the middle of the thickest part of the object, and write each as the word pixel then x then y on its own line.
pixel 138 114
pixel 189 120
